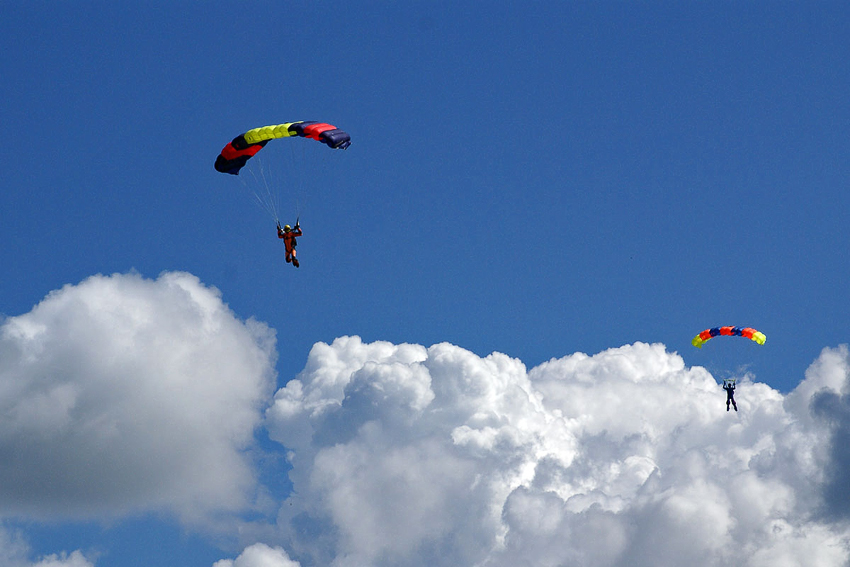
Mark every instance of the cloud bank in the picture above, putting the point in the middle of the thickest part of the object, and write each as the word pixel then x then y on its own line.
pixel 412 456
pixel 123 395
pixel 126 395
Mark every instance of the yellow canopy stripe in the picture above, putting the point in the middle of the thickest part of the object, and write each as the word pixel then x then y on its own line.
pixel 266 133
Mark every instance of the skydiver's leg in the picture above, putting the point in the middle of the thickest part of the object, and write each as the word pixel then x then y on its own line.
pixel 734 405
pixel 727 404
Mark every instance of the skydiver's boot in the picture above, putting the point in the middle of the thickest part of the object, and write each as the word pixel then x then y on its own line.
pixel 296 264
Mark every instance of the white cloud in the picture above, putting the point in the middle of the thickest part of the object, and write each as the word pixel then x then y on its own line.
pixel 14 552
pixel 75 559
pixel 124 395
pixel 259 555
pixel 406 455
pixel 13 548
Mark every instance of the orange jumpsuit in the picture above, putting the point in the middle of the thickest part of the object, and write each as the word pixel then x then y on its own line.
pixel 290 243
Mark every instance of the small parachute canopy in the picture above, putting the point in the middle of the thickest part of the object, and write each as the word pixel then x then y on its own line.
pixel 236 154
pixel 747 332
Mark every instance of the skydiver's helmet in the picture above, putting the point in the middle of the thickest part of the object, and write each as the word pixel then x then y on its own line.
pixel 286 228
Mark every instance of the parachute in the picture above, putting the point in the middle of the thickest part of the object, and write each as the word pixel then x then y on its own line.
pixel 268 185
pixel 747 332
pixel 236 154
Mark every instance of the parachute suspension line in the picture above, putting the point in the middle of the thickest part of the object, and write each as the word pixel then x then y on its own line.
pixel 251 185
pixel 254 183
pixel 271 199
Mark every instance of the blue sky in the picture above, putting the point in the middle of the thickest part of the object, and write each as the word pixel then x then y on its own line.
pixel 534 179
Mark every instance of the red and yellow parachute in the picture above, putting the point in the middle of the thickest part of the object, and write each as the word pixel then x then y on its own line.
pixel 747 332
pixel 244 146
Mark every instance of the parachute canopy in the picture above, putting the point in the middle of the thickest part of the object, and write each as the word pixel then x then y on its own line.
pixel 747 332
pixel 244 146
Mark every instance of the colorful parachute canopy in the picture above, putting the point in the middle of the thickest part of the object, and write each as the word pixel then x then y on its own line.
pixel 747 332
pixel 244 146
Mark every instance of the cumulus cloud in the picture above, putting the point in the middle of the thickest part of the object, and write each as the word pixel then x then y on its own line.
pixel 124 395
pixel 75 559
pixel 259 555
pixel 412 456
pixel 14 552
pixel 831 407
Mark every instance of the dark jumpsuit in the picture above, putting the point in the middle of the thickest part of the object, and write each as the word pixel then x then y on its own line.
pixel 730 396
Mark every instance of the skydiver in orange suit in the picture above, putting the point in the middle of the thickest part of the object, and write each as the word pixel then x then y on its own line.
pixel 288 235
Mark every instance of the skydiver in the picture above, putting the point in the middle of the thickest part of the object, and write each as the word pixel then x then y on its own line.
pixel 729 386
pixel 288 235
